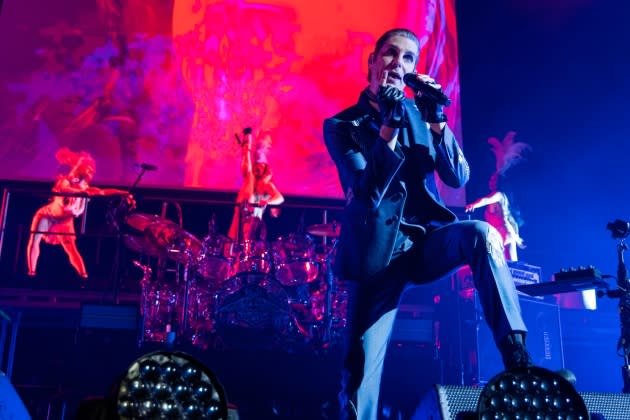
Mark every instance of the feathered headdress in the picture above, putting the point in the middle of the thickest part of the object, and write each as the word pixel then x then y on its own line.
pixel 507 152
pixel 75 160
pixel 263 146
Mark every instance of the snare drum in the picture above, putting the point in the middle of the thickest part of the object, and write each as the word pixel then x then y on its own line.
pixel 216 258
pixel 294 259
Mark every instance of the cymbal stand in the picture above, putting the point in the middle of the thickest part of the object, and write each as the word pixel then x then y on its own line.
pixel 623 285
pixel 330 292
pixel 623 294
pixel 144 298
pixel 184 323
pixel 114 216
pixel 117 214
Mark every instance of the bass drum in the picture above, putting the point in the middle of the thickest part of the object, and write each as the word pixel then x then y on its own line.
pixel 294 259
pixel 252 309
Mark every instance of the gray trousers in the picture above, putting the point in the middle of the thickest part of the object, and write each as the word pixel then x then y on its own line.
pixel 373 303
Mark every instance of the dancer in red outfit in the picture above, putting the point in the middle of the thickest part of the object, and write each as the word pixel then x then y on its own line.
pixel 257 190
pixel 54 222
pixel 499 212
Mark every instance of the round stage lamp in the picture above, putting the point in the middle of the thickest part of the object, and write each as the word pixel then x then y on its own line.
pixel 530 393
pixel 170 385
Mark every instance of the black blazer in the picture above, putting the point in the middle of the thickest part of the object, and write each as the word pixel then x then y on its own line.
pixel 376 193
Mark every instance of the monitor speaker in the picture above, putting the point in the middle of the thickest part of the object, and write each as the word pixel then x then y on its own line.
pixel 449 402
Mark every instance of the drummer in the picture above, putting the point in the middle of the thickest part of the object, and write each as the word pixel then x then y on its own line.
pixel 257 190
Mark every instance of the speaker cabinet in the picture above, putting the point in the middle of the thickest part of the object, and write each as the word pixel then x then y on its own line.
pixel 607 405
pixel 544 339
pixel 449 402
pixel 466 345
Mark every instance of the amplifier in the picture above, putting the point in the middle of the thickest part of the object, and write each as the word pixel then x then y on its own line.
pixel 544 338
pixel 522 273
pixel 525 274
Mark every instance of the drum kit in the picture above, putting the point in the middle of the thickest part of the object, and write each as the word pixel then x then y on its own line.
pixel 230 294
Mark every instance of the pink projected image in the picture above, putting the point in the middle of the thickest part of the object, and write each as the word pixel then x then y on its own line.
pixel 170 84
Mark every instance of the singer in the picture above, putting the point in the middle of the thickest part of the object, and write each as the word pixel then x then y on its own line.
pixel 396 231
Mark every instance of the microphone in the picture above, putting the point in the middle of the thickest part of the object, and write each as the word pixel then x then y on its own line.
pixel 426 89
pixel 148 167
pixel 619 228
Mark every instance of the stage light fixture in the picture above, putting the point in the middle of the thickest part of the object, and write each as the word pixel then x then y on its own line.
pixel 530 393
pixel 170 385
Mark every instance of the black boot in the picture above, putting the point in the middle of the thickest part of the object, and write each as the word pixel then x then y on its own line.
pixel 514 352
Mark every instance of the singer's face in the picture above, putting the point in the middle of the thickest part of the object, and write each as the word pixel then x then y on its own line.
pixel 397 57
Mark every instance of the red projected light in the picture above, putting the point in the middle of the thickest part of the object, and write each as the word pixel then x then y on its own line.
pixel 146 83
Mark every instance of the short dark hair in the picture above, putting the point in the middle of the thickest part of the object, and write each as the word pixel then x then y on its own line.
pixel 407 33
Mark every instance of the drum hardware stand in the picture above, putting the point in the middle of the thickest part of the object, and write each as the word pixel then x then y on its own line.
pixel 144 283
pixel 115 216
pixel 242 209
pixel 184 323
pixel 161 262
pixel 330 292
pixel 178 208
pixel 620 230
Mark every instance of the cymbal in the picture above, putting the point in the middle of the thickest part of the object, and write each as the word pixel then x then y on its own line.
pixel 177 243
pixel 330 230
pixel 140 221
pixel 141 245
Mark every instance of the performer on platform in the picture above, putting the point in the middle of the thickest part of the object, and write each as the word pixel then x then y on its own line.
pixel 396 232
pixel 499 211
pixel 54 222
pixel 257 190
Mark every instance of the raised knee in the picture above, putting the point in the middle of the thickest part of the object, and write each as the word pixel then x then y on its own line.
pixel 489 238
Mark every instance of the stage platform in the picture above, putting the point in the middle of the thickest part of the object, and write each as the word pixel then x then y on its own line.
pixel 61 359
pixel 74 339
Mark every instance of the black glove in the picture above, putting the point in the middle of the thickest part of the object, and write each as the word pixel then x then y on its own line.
pixel 432 112
pixel 247 140
pixel 390 103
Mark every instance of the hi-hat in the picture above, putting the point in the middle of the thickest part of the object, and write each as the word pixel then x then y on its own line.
pixel 330 230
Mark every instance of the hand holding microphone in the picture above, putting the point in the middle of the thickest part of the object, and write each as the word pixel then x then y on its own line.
pixel 390 103
pixel 421 83
pixel 247 141
pixel 429 97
